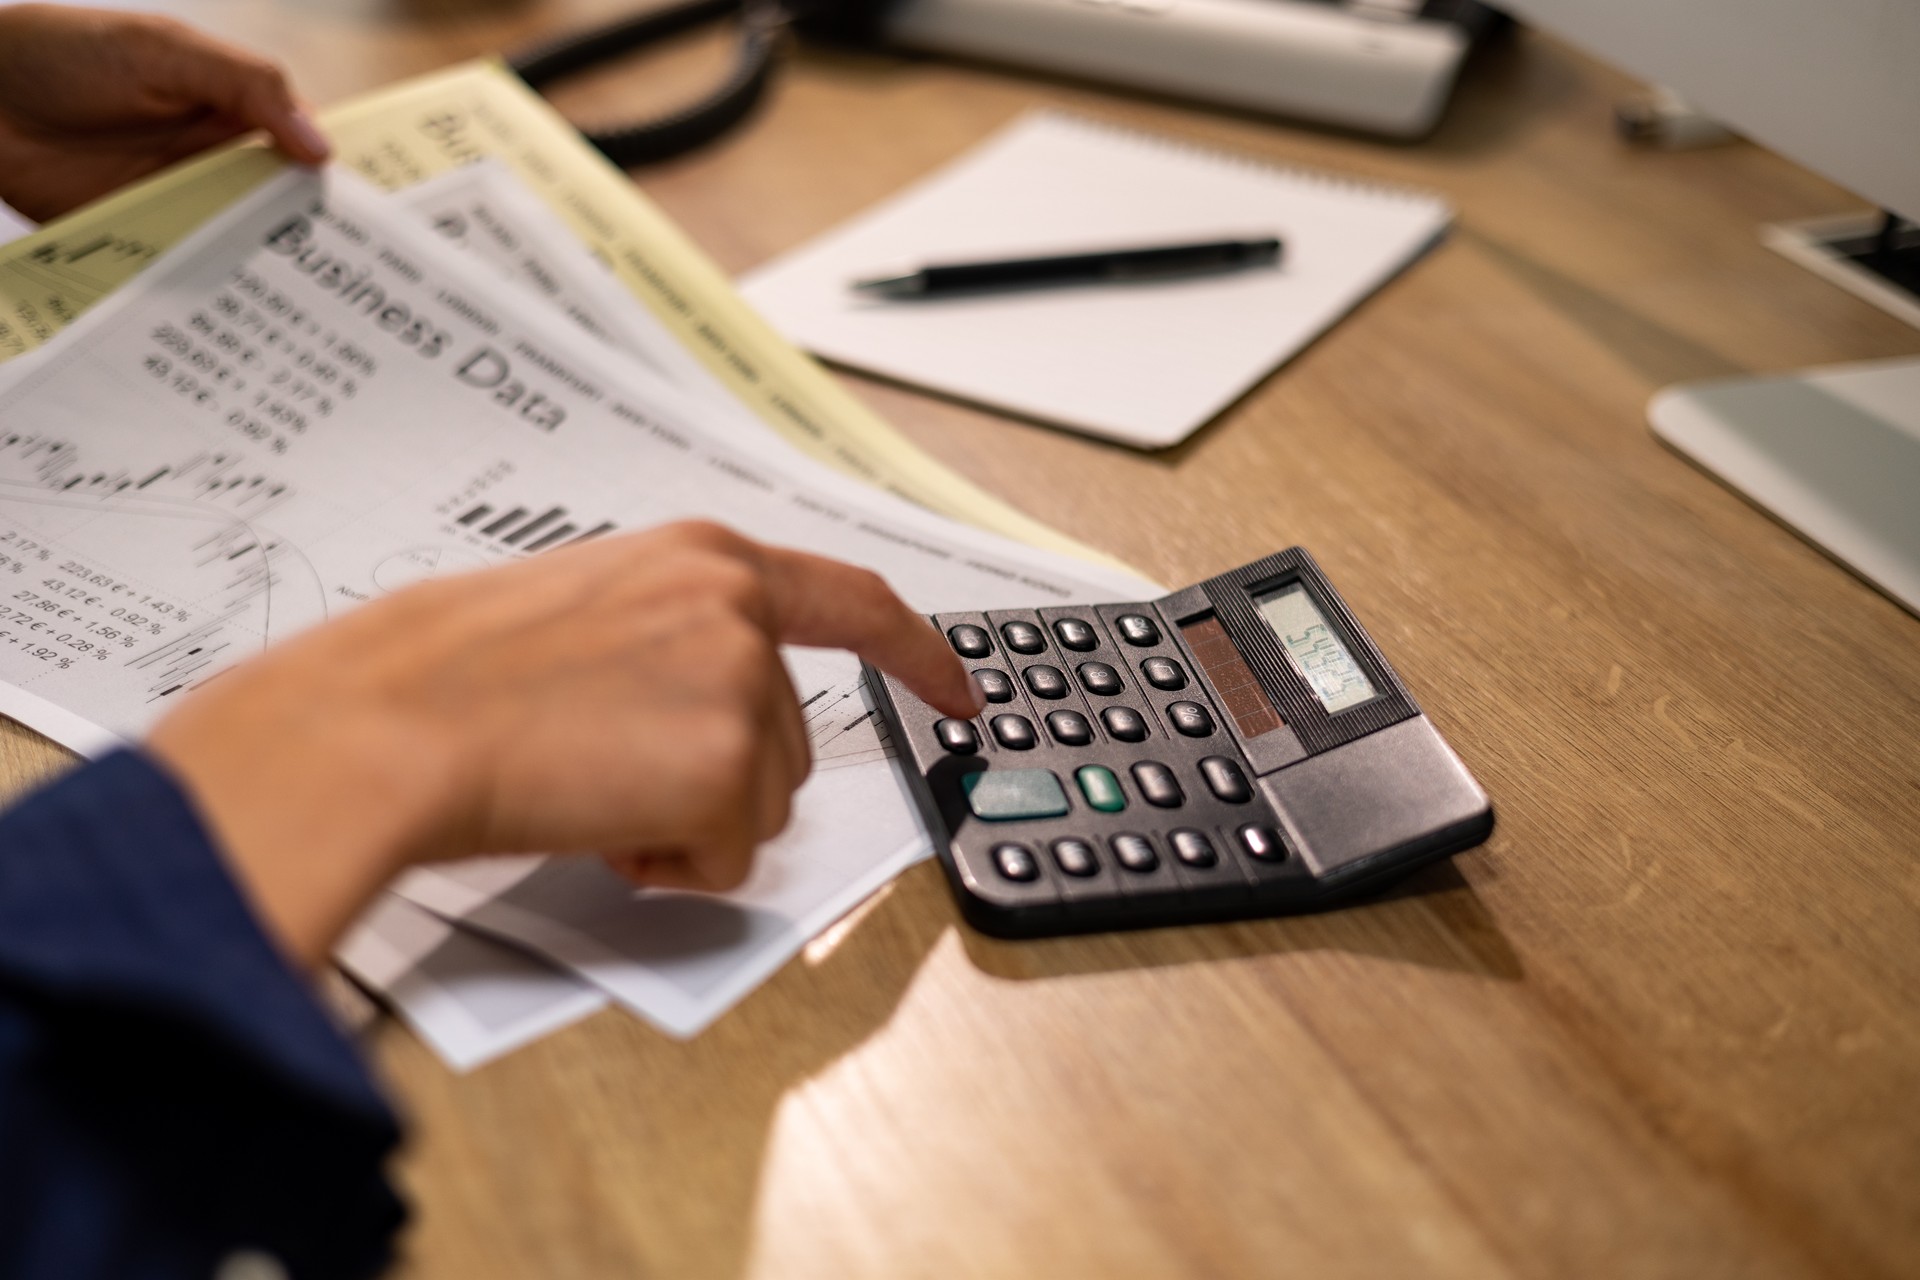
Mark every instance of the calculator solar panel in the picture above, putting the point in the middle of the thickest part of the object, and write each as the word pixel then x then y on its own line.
pixel 1239 748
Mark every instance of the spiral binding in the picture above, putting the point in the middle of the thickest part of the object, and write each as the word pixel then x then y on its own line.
pixel 1322 178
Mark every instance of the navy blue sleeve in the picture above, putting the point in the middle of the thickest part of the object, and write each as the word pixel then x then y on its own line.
pixel 170 1090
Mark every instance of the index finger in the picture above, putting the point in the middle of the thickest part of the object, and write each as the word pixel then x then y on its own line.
pixel 817 601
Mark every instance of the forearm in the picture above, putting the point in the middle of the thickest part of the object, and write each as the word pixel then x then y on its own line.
pixel 159 1058
pixel 318 785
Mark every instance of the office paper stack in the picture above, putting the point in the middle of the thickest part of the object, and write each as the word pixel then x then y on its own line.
pixel 486 955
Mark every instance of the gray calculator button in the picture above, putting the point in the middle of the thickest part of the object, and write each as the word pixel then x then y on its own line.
pixel 970 641
pixel 1190 718
pixel 1015 732
pixel 1125 723
pixel 1016 862
pixel 1023 637
pixel 1138 629
pixel 1099 678
pixel 1069 728
pixel 1075 634
pixel 1075 857
pixel 1135 853
pixel 957 736
pixel 1164 673
pixel 1157 785
pixel 1225 780
pixel 1193 848
pixel 1262 843
pixel 994 685
pixel 1046 682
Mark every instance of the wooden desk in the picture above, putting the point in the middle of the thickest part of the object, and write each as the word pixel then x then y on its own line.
pixel 1664 1024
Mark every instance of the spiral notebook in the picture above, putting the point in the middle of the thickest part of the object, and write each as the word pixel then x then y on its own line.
pixel 1143 363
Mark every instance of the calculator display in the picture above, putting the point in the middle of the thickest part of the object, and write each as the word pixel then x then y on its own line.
pixel 1315 648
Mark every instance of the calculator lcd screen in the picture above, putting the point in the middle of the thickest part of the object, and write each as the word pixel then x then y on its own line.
pixel 1315 648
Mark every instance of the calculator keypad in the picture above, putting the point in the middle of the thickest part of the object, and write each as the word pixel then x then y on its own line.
pixel 1046 682
pixel 1015 861
pixel 1023 637
pixel 1163 673
pixel 1225 779
pixel 1069 728
pixel 1075 857
pixel 1103 766
pixel 957 736
pixel 970 641
pixel 1125 724
pixel 1015 733
pixel 1076 634
pixel 1158 786
pixel 1135 853
pixel 1100 787
pixel 1190 719
pixel 1193 848
pixel 1262 843
pixel 993 685
pixel 1012 795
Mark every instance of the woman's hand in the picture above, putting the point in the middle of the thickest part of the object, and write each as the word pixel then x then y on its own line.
pixel 91 100
pixel 625 697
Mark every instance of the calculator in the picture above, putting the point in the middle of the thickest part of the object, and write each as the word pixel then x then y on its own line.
pixel 1239 748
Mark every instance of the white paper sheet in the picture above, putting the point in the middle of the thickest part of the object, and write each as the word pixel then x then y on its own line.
pixel 470 998
pixel 682 960
pixel 311 403
pixel 483 209
pixel 1146 362
pixel 12 225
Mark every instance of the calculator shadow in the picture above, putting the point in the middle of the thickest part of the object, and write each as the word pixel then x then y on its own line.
pixel 1432 918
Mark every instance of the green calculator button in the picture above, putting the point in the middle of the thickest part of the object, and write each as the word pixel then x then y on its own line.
pixel 1008 795
pixel 1101 788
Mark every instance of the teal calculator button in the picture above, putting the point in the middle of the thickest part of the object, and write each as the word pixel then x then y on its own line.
pixel 1008 795
pixel 1100 787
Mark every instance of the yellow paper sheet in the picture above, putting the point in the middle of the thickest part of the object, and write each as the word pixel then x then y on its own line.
pixel 420 128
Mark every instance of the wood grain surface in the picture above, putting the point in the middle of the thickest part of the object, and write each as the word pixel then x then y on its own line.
pixel 1664 1024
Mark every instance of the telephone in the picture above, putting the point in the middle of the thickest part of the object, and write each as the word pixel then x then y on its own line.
pixel 1383 66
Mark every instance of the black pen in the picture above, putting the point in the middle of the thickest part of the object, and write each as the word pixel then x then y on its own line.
pixel 1154 263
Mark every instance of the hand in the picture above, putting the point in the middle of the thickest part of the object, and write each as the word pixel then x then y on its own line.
pixel 91 100
pixel 625 696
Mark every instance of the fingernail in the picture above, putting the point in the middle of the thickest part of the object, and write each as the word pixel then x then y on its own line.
pixel 979 694
pixel 307 134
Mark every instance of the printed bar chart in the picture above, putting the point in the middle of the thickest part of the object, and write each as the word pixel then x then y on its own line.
pixel 534 526
pixel 517 527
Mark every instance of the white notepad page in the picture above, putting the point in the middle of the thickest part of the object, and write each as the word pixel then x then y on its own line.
pixel 1144 363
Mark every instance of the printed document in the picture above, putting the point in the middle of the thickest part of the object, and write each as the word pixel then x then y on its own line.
pixel 407 133
pixel 485 210
pixel 469 997
pixel 312 403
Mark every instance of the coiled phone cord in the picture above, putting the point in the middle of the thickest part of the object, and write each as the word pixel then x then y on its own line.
pixel 763 26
